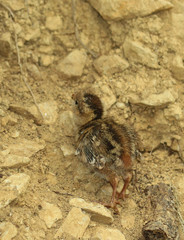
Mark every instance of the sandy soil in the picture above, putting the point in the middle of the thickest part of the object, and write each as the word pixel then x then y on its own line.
pixel 56 177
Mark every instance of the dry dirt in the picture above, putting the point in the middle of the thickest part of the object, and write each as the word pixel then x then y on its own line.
pixel 56 178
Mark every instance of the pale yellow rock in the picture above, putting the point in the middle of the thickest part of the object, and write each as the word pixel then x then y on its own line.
pixel 6 36
pixel 125 9
pixel 46 49
pixel 32 34
pixel 108 65
pixel 7 231
pixel 177 26
pixel 12 187
pixel 67 149
pixel 177 67
pixel 75 224
pixel 102 233
pixel 25 147
pixel 97 211
pixel 49 213
pixel 136 52
pixel 127 221
pixel 46 60
pixel 73 64
pixel 15 134
pixel 17 182
pixel 155 24
pixel 174 112
pixel 16 5
pixel 17 28
pixel 154 100
pixel 33 71
pixel 48 109
pixel 9 120
pixel 2 113
pixel 68 124
pixel 120 105
pixel 11 161
pixel 106 95
pixel 53 23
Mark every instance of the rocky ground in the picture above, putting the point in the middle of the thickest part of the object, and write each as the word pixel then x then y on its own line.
pixel 131 54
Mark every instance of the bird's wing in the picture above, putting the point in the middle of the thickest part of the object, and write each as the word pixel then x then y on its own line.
pixel 95 147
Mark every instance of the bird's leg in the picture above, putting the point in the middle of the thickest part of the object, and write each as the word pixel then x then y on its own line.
pixel 113 179
pixel 127 180
pixel 127 161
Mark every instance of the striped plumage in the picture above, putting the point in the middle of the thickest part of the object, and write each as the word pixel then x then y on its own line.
pixel 105 145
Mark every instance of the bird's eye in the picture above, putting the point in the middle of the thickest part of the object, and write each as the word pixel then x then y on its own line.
pixel 76 102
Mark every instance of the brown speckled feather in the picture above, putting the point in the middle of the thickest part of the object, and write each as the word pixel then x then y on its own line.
pixel 103 144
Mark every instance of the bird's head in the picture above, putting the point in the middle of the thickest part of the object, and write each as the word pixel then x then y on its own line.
pixel 88 106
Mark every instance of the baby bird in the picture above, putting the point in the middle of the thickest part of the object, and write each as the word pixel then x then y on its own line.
pixel 108 147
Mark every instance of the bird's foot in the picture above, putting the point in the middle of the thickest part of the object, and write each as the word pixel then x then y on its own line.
pixel 113 205
pixel 122 195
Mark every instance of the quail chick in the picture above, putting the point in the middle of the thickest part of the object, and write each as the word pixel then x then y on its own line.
pixel 108 147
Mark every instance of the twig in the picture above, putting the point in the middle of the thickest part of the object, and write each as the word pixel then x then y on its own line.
pixel 60 193
pixel 9 10
pixel 22 75
pixel 77 32
pixel 18 58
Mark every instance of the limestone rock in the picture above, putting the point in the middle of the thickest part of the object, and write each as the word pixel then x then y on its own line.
pixel 106 95
pixel 155 24
pixel 11 161
pixel 97 211
pixel 49 213
pixel 32 34
pixel 136 52
pixel 7 231
pixel 12 187
pixel 73 64
pixel 2 113
pixel 16 5
pixel 45 49
pixel 127 221
pixel 177 68
pixel 17 28
pixel 177 26
pixel 108 98
pixel 67 123
pixel 15 134
pixel 8 120
pixel 108 65
pixel 53 23
pixel 174 112
pixel 154 100
pixel 75 224
pixel 6 36
pixel 102 233
pixel 46 60
pixel 48 109
pixel 125 9
pixel 33 71
pixel 25 147
pixel 67 149
pixel 120 105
